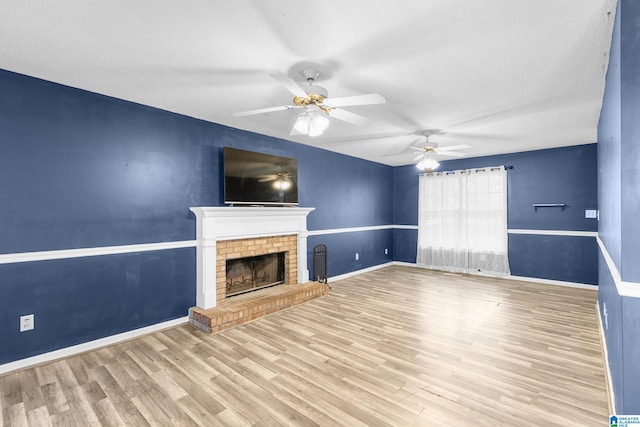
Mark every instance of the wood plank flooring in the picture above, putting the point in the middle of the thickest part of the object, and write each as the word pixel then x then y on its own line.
pixel 398 346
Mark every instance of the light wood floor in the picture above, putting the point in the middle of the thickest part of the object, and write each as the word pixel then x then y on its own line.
pixel 398 346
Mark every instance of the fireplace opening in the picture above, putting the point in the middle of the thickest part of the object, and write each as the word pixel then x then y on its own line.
pixel 256 272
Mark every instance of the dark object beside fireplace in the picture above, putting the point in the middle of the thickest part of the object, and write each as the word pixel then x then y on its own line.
pixel 253 273
pixel 320 263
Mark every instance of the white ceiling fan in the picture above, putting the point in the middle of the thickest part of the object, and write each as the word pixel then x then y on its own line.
pixel 424 145
pixel 317 105
pixel 428 149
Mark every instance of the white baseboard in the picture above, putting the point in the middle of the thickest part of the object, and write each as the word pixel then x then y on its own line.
pixel 357 272
pixel 519 278
pixel 405 264
pixel 87 346
pixel 554 282
pixel 607 371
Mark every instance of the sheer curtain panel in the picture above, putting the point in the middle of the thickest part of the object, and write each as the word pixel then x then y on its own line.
pixel 462 221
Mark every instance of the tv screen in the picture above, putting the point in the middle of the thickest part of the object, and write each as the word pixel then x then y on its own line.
pixel 252 178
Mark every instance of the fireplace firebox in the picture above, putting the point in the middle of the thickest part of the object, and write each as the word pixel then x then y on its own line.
pixel 253 273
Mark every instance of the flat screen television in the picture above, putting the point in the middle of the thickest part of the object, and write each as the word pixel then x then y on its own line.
pixel 252 178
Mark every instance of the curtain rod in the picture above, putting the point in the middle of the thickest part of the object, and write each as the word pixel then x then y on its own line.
pixel 491 168
pixel 465 170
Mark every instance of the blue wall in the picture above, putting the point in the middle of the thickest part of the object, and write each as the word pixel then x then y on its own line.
pixel 630 139
pixel 618 197
pixel 560 175
pixel 405 212
pixel 368 245
pixel 81 170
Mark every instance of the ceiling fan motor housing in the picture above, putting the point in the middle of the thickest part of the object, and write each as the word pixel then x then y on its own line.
pixel 315 96
pixel 315 90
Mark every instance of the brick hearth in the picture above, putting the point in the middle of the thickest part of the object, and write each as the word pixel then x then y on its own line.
pixel 254 305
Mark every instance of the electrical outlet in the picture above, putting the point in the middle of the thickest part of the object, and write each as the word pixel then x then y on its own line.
pixel 27 322
pixel 357 256
pixel 591 213
pixel 386 251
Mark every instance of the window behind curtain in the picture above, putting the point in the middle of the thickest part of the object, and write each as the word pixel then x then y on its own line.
pixel 462 221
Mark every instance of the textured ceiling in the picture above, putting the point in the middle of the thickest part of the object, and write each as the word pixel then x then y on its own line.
pixel 500 75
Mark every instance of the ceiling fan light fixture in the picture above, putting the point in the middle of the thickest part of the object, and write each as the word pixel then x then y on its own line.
pixel 318 124
pixel 428 163
pixel 311 123
pixel 302 123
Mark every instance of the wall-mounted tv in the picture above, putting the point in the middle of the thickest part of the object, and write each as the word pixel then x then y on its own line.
pixel 252 178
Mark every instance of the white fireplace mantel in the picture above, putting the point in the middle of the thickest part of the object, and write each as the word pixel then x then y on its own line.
pixel 231 223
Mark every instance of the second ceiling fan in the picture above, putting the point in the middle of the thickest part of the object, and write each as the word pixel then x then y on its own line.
pixel 317 105
pixel 425 151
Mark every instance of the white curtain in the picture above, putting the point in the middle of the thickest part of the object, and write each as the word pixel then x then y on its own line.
pixel 462 221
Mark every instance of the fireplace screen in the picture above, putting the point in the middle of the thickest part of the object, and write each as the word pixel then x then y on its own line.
pixel 252 273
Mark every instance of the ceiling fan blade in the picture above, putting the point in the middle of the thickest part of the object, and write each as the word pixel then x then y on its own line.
pixel 266 178
pixel 369 99
pixel 264 110
pixel 450 153
pixel 455 147
pixel 290 85
pixel 346 116
pixel 370 138
pixel 407 151
pixel 418 157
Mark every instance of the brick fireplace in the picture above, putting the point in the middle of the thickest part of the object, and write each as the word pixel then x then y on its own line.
pixel 233 232
pixel 230 233
pixel 246 248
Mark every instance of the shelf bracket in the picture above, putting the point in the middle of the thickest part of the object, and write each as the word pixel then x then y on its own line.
pixel 549 205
